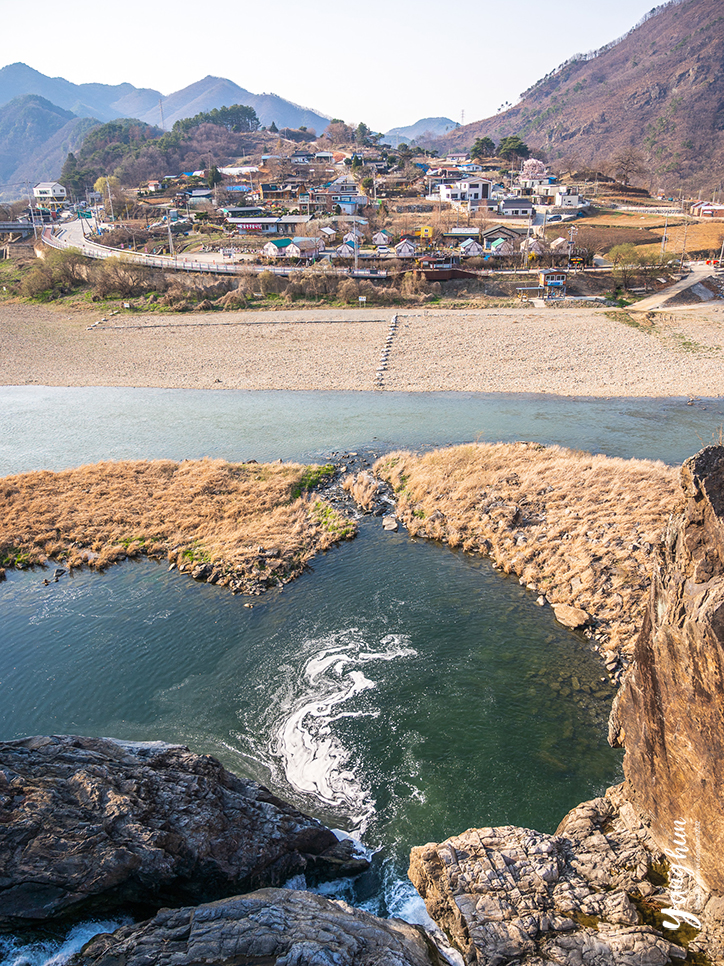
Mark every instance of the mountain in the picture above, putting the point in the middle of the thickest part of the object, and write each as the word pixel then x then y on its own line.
pixel 658 89
pixel 109 102
pixel 35 138
pixel 427 127
pixel 213 92
pixel 103 101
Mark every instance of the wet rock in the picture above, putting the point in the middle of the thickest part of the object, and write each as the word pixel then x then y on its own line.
pixel 389 523
pixel 274 927
pixel 90 825
pixel 572 617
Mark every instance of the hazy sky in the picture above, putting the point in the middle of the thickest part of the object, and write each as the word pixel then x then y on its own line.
pixel 385 62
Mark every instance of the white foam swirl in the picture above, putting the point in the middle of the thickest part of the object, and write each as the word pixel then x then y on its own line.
pixel 315 761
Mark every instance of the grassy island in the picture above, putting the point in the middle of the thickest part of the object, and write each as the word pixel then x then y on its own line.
pixel 248 526
pixel 578 529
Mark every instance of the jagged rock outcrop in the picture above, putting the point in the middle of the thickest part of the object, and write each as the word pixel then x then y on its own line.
pixel 512 895
pixel 669 714
pixel 90 825
pixel 271 927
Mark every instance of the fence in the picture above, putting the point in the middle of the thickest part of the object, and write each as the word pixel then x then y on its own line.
pixel 54 238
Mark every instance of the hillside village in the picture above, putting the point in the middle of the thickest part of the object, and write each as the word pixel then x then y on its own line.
pixel 350 206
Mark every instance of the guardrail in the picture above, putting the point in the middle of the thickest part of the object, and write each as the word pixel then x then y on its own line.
pixel 175 263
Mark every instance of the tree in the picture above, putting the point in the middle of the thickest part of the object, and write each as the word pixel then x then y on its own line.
pixel 339 133
pixel 214 176
pixel 533 168
pixel 362 134
pixel 482 148
pixel 512 147
pixel 626 263
pixel 273 128
pixel 628 162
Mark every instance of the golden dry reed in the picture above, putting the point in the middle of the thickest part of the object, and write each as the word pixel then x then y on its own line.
pixel 246 525
pixel 578 529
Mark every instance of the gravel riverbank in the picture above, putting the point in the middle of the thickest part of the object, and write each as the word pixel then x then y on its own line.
pixel 569 351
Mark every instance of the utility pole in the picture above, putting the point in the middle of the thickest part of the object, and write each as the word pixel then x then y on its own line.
pixel 683 250
pixel 110 197
pixel 663 240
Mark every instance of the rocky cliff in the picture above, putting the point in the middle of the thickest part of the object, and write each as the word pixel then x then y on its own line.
pixel 91 825
pixel 669 714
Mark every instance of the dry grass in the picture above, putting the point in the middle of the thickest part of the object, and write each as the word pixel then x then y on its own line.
pixel 245 525
pixel 579 529
pixel 363 488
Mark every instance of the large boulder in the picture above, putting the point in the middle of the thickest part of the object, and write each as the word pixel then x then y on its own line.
pixel 513 895
pixel 271 927
pixel 669 714
pixel 93 825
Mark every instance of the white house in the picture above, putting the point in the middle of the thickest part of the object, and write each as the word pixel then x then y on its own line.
pixel 471 249
pixel 304 248
pixel 382 237
pixel 567 198
pixel 517 208
pixel 50 191
pixel 352 234
pixel 344 251
pixel 472 192
pixel 405 249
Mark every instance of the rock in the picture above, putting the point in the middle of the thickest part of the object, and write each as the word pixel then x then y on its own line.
pixel 2 573
pixel 669 714
pixel 268 927
pixel 513 895
pixel 90 825
pixel 389 523
pixel 541 601
pixel 202 571
pixel 572 617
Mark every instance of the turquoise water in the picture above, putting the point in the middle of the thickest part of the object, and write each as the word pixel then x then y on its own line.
pixel 400 690
pixel 53 428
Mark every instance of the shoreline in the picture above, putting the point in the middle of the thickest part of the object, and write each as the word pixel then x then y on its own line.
pixel 571 352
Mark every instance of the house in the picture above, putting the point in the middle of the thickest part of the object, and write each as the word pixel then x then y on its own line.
pixel 354 234
pixel 517 208
pixel 472 192
pixel 501 247
pixel 381 237
pixel 532 246
pixel 329 234
pixel 324 157
pixel 302 157
pixel 567 198
pixel 345 250
pixel 405 249
pixel 154 185
pixel 276 248
pixel 471 249
pixel 504 233
pixel 552 281
pixel 559 244
pixel 51 192
pixel 304 247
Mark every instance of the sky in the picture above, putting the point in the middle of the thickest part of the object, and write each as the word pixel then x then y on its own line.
pixel 385 62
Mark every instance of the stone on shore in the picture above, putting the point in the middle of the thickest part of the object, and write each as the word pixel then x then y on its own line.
pixel 572 617
pixel 93 825
pixel 271 927
pixel 389 523
pixel 513 895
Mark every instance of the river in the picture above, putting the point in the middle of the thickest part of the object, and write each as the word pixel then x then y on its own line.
pixel 400 690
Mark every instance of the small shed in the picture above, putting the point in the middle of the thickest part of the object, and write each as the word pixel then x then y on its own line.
pixel 344 250
pixel 552 281
pixel 382 237
pixel 405 249
pixel 276 248
pixel 352 234
pixel 471 248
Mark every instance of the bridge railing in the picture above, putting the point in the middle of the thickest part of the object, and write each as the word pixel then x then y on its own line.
pixel 54 237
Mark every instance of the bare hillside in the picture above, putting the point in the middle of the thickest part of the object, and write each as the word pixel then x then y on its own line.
pixel 660 89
